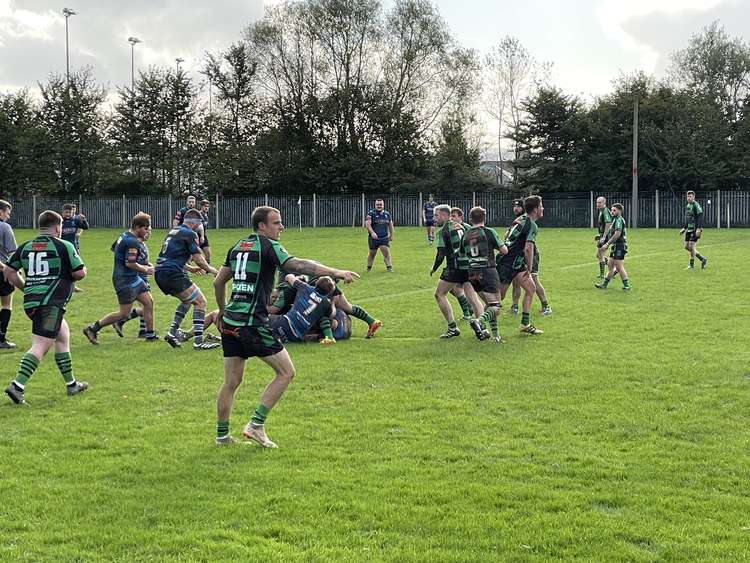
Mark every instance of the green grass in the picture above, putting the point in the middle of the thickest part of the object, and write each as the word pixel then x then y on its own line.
pixel 621 434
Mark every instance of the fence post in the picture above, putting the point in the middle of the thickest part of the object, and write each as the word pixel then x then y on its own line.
pixel 80 203
pixel 421 204
pixel 216 206
pixel 33 211
pixel 591 209
pixel 363 210
pixel 656 209
pixel 718 209
pixel 315 211
pixel 266 204
pixel 124 220
pixel 473 199
pixel 169 208
pixel 728 214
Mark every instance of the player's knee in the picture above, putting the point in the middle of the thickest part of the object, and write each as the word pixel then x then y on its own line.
pixel 286 373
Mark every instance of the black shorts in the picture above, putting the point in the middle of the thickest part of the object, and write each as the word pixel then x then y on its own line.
pixel 6 288
pixel 486 280
pixel 455 276
pixel 248 341
pixel 128 294
pixel 171 282
pixel 618 252
pixel 374 243
pixel 205 243
pixel 506 272
pixel 429 223
pixel 46 320
pixel 691 236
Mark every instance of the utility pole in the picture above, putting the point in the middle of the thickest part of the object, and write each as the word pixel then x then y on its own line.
pixel 67 12
pixel 132 41
pixel 634 204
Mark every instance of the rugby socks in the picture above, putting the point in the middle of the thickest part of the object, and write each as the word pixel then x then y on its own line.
pixel 545 304
pixel 27 367
pixel 96 327
pixel 525 319
pixel 606 281
pixel 626 284
pixel 142 327
pixel 452 324
pixel 493 326
pixel 65 365
pixel 699 257
pixel 260 415
pixel 465 306
pixel 222 428
pixel 490 314
pixel 362 315
pixel 602 265
pixel 325 326
pixel 179 314
pixel 199 320
pixel 4 322
pixel 692 262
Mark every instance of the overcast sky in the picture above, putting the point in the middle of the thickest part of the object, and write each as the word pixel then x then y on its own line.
pixel 589 42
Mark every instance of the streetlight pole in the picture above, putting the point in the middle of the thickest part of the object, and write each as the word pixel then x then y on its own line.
pixel 177 61
pixel 132 41
pixel 634 207
pixel 67 12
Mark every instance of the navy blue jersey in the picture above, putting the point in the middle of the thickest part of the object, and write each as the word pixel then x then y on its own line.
pixel 204 220
pixel 429 210
pixel 70 228
pixel 181 243
pixel 142 257
pixel 380 222
pixel 309 307
pixel 180 215
pixel 126 252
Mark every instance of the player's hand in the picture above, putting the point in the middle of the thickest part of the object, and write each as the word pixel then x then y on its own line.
pixel 682 231
pixel 602 241
pixel 346 275
pixel 149 270
pixel 211 270
pixel 374 235
pixel 219 321
pixel 328 341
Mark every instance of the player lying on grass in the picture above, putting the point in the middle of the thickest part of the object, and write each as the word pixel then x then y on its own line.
pixel 312 307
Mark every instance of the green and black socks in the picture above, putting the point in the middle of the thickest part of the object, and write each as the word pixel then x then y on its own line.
pixel 601 267
pixel 65 365
pixel 222 428
pixel 359 313
pixel 526 318
pixel 26 369
pixel 260 415
pixel 465 305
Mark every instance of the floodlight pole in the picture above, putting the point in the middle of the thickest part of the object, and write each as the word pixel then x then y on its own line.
pixel 132 41
pixel 634 204
pixel 67 12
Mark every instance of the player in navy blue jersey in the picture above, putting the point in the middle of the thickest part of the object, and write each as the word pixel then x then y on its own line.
pixel 71 228
pixel 203 234
pixel 380 230
pixel 312 308
pixel 128 279
pixel 180 247
pixel 428 218
pixel 179 217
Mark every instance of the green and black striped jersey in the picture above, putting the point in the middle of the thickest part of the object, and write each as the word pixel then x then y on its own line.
pixel 253 261
pixel 48 263
pixel 449 237
pixel 478 246
pixel 604 217
pixel 618 224
pixel 693 216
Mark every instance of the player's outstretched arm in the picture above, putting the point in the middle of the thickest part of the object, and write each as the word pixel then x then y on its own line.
pixel 200 260
pixel 316 269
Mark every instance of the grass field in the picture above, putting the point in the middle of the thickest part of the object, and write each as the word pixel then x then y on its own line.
pixel 621 434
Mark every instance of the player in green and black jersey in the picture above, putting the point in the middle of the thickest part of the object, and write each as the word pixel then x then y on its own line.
pixel 618 242
pixel 455 274
pixel 519 261
pixel 251 264
pixel 693 230
pixel 478 246
pixel 541 293
pixel 51 265
pixel 604 224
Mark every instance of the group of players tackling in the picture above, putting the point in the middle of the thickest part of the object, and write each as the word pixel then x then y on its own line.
pixel 480 266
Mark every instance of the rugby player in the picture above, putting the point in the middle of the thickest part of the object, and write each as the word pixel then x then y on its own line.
pixel 71 229
pixel 50 265
pixel 179 217
pixel 181 246
pixel 380 231
pixel 693 230
pixel 479 245
pixel 619 248
pixel 252 264
pixel 203 234
pixel 428 218
pixel 604 224
pixel 519 261
pixel 128 279
pixel 7 248
pixel 312 307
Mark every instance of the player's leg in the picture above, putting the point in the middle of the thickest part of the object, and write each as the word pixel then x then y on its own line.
pixel 619 265
pixel 373 250
pixel 703 260
pixel 64 361
pixel 529 288
pixel 146 312
pixel 491 312
pixel 386 251
pixel 207 253
pixel 199 321
pixel 358 312
pixel 6 310
pixel 27 366
pixel 611 271
pixel 516 296
pixel 234 369
pixel 91 331
pixel 542 295
pixel 283 367
pixel 441 293
pixel 600 252
pixel 460 296
pixel 474 300
pixel 186 296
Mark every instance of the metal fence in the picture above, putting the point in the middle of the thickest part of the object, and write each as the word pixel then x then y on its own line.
pixel 658 209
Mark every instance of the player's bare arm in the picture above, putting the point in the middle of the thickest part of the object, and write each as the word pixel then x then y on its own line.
pixel 14 278
pixel 78 275
pixel 313 268
pixel 200 260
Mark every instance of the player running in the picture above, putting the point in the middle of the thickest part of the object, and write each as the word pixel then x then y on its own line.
pixel 428 218
pixel 519 261
pixel 312 307
pixel 478 245
pixel 693 230
pixel 181 246
pixel 252 264
pixel 203 235
pixel 380 229
pixel 50 265
pixel 128 279
pixel 179 217
pixel 604 224
pixel 619 243
pixel 7 248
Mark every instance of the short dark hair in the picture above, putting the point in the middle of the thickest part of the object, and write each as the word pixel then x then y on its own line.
pixel 619 207
pixel 140 219
pixel 477 215
pixel 205 201
pixel 260 215
pixel 325 285
pixel 49 219
pixel 531 203
pixel 458 211
pixel 379 199
pixel 193 214
pixel 68 207
pixel 5 205
pixel 691 192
